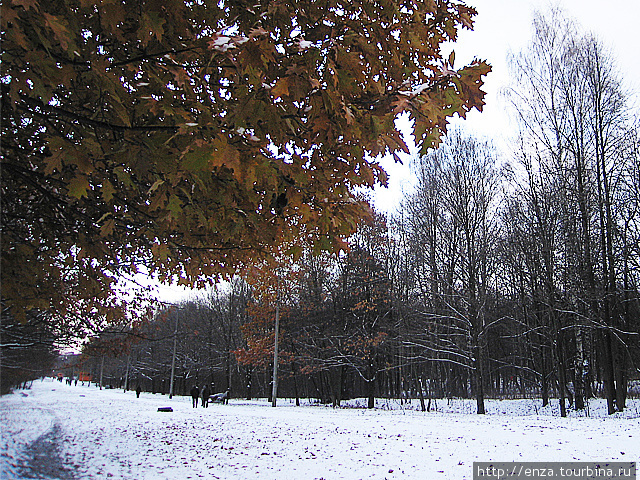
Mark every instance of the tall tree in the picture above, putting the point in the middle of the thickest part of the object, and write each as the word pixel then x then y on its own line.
pixel 532 222
pixel 549 108
pixel 363 300
pixel 458 190
pixel 190 136
pixel 608 120
pixel 572 107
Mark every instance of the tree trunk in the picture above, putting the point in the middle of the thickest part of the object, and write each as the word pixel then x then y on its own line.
pixel 478 380
pixel 608 372
pixel 545 376
pixel 371 378
pixel 562 376
pixel 578 383
pixel 248 380
pixel 620 356
pixel 294 374
pixel 421 393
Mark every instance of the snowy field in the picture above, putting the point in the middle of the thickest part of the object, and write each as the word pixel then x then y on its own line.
pixel 72 432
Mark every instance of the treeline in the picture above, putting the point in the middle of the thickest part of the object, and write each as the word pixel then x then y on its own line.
pixel 28 348
pixel 405 313
pixel 498 277
pixel 195 340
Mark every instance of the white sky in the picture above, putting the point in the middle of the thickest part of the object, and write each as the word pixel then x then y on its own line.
pixel 504 26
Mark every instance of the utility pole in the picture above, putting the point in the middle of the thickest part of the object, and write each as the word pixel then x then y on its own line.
pixel 173 359
pixel 101 370
pixel 126 375
pixel 274 391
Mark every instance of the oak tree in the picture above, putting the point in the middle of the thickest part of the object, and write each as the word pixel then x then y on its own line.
pixel 192 137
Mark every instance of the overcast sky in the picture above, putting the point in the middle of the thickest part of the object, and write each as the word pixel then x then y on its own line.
pixel 504 26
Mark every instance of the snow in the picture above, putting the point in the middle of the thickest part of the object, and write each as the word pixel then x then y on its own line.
pixel 112 434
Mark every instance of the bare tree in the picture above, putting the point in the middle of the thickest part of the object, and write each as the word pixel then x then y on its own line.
pixel 572 111
pixel 453 216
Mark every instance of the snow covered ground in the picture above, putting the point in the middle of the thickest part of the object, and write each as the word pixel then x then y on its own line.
pixel 83 432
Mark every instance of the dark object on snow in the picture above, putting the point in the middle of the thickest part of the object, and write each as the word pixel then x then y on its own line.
pixel 220 398
pixel 165 409
pixel 138 390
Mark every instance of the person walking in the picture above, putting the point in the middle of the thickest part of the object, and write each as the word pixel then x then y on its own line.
pixel 138 390
pixel 205 396
pixel 195 395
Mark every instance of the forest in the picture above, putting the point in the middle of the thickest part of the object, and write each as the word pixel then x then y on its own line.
pixel 497 278
pixel 502 274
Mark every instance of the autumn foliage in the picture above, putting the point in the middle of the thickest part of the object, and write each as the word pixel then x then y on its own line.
pixel 335 316
pixel 193 137
pixel 273 284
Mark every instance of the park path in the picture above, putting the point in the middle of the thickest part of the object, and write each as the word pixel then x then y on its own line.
pixel 43 459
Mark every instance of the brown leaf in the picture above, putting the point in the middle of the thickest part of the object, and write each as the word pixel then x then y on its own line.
pixel 78 186
pixel 281 88
pixel 60 29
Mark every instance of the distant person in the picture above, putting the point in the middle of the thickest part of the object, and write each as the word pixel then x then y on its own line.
pixel 205 396
pixel 195 395
pixel 138 390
